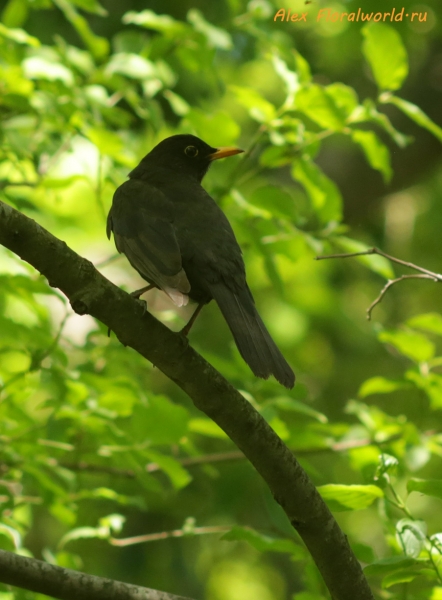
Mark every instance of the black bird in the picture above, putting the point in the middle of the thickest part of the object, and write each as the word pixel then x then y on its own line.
pixel 179 240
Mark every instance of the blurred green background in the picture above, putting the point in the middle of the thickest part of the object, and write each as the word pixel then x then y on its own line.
pixel 86 90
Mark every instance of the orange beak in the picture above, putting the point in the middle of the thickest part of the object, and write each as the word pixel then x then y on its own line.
pixel 225 151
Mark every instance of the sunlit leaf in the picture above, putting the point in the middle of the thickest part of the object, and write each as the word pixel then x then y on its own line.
pixel 216 37
pixel 349 497
pixel 415 113
pixel 323 192
pixel 391 564
pixel 368 112
pixel 264 543
pixel 381 385
pixel 177 474
pixel 216 128
pixel 376 263
pixel 206 427
pixel 431 322
pixel 320 107
pixel 150 20
pixel 375 151
pixel 92 6
pixel 385 52
pixel 259 108
pixel 430 383
pixel 18 35
pixel 429 487
pixel 131 65
pixel 411 535
pixel 291 405
pixel 290 78
pixel 38 67
pixel 411 344
pixel 344 97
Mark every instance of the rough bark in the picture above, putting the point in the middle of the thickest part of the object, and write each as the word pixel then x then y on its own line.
pixel 66 584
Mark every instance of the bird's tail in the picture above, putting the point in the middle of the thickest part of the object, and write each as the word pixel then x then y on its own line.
pixel 251 336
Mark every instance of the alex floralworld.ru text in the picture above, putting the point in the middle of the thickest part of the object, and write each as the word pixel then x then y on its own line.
pixel 327 14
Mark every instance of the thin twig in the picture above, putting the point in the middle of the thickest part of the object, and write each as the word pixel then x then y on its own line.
pixel 389 284
pixel 424 273
pixel 164 535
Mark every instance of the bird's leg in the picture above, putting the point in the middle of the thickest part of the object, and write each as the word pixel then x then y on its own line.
pixel 185 330
pixel 138 293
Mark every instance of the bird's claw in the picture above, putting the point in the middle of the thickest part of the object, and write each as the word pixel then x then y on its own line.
pixel 144 304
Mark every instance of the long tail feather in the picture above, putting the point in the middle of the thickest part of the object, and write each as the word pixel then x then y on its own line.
pixel 251 336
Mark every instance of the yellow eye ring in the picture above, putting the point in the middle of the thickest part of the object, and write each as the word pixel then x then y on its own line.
pixel 191 151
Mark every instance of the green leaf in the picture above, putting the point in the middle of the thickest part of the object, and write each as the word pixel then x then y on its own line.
pixel 413 345
pixel 344 97
pixel 431 384
pixel 160 422
pixel 368 112
pixel 259 108
pixel 92 6
pixel 349 497
pixel 415 113
pixel 431 322
pixel 386 54
pixel 219 128
pixel 215 36
pixel 323 192
pixel 38 67
pixel 106 141
pixel 177 104
pixel 381 385
pixel 376 152
pixel 387 465
pixel 404 576
pixel 99 46
pixel 150 20
pixel 264 543
pixel 291 405
pixel 275 200
pixel 302 68
pixel 411 535
pixel 15 14
pixel 19 35
pixel 320 107
pixel 268 256
pixel 131 65
pixel 363 552
pixel 377 264
pixel 290 78
pixel 81 533
pixel 12 534
pixel 389 565
pixel 177 474
pixel 429 487
pixel 206 427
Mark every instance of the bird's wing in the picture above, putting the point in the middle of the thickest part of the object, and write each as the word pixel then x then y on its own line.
pixel 141 219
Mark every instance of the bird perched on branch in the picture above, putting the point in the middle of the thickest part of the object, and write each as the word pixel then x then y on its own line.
pixel 178 239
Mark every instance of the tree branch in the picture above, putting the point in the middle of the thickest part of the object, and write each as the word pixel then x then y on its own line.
pixel 66 584
pixel 423 273
pixel 91 293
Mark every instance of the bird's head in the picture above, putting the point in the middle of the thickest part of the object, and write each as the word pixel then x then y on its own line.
pixel 185 154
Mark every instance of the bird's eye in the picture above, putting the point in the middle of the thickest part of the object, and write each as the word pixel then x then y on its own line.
pixel 191 151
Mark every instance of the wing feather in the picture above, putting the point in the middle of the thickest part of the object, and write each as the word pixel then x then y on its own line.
pixel 141 219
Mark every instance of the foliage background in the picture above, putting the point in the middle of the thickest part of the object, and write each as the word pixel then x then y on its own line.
pixel 86 89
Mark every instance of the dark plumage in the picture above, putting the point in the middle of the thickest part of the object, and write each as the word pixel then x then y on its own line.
pixel 178 239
